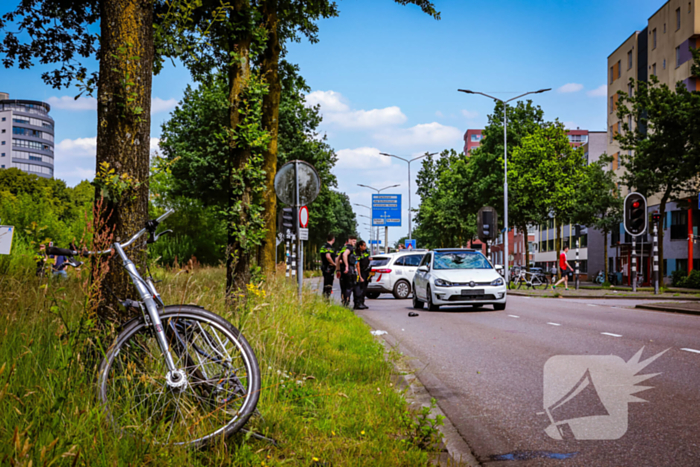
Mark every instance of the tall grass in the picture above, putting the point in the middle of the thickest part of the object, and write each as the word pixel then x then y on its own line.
pixel 326 398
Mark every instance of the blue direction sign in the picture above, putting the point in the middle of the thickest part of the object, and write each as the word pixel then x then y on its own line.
pixel 386 210
pixel 411 243
pixel 375 242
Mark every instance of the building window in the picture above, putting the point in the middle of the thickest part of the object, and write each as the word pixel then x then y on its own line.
pixel 679 225
pixel 3 130
pixel 678 56
pixel 3 154
pixel 612 74
pixel 653 39
pixel 630 90
pixel 629 60
pixel 629 122
pixel 3 119
pixel 611 134
pixel 2 166
pixel 611 104
pixel 3 143
pixel 619 68
pixel 664 65
pixel 476 138
pixel 653 69
pixel 678 19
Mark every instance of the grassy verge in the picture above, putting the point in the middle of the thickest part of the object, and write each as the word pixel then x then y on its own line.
pixel 327 396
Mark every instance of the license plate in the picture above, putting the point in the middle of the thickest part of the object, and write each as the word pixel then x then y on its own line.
pixel 470 292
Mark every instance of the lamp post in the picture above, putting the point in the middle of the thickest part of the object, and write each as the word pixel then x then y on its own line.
pixel 386 229
pixel 505 164
pixel 408 162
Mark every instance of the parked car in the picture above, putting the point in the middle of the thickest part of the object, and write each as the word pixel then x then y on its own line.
pixel 393 273
pixel 457 276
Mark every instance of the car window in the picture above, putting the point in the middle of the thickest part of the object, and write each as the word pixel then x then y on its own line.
pixel 413 260
pixel 379 261
pixel 425 261
pixel 461 260
pixel 400 261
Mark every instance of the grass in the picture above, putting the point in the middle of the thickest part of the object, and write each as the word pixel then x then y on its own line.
pixel 327 397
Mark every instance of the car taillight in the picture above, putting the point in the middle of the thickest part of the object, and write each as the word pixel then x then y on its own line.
pixel 382 271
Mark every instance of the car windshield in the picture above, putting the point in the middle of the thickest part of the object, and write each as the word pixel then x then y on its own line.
pixel 379 261
pixel 460 260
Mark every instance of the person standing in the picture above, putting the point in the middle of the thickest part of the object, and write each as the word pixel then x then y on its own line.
pixel 345 265
pixel 328 258
pixel 363 266
pixel 566 269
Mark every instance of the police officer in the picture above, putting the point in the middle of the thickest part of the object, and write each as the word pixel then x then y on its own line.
pixel 346 269
pixel 328 258
pixel 363 266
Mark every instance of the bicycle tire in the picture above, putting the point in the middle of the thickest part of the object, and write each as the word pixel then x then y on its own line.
pixel 221 389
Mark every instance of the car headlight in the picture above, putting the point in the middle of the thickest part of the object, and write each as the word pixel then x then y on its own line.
pixel 498 281
pixel 442 283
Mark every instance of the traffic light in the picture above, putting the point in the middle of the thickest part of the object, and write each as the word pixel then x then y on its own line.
pixel 487 224
pixel 656 218
pixel 288 220
pixel 635 214
pixel 577 230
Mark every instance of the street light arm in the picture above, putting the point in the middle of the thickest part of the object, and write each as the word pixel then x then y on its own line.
pixel 420 157
pixel 477 92
pixel 531 92
pixel 391 155
pixel 386 188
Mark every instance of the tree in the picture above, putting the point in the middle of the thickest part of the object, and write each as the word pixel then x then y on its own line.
pixel 598 202
pixel 58 32
pixel 663 157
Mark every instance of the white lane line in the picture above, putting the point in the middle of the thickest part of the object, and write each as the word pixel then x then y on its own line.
pixel 554 324
pixel 691 350
pixel 611 334
pixel 590 304
pixel 514 316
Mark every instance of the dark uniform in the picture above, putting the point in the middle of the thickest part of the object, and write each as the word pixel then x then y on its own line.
pixel 347 280
pixel 328 269
pixel 363 266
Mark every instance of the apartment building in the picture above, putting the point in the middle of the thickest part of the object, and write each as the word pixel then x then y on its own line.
pixel 661 49
pixel 26 136
pixel 472 139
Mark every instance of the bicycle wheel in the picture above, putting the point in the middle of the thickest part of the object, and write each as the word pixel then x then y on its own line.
pixel 542 283
pixel 217 390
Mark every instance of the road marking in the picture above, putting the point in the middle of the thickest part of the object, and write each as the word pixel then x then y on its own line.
pixel 514 316
pixel 611 334
pixel 590 304
pixel 691 350
pixel 554 324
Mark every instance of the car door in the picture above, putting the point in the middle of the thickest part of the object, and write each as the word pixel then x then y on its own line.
pixel 420 277
pixel 412 262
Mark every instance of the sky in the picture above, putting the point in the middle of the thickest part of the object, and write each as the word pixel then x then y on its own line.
pixel 386 78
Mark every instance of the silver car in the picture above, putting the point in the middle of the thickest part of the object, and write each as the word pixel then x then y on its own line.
pixel 457 276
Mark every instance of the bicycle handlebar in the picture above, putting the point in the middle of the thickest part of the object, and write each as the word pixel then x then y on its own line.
pixel 52 250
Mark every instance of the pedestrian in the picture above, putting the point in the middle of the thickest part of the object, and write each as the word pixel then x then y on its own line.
pixel 59 266
pixel 345 265
pixel 363 269
pixel 566 269
pixel 328 258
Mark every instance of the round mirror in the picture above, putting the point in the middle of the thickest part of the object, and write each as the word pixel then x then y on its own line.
pixel 309 183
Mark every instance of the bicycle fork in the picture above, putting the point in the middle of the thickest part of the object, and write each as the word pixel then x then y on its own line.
pixel 175 376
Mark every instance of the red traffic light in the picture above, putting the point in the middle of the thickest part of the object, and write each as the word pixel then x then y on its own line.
pixel 636 204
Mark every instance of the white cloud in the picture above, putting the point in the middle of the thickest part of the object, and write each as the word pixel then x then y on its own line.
pixel 338 113
pixel 154 144
pixel 160 105
pixel 70 103
pixel 600 91
pixel 90 103
pixel 330 101
pixel 361 158
pixel 470 114
pixel 427 134
pixel 76 148
pixel 570 87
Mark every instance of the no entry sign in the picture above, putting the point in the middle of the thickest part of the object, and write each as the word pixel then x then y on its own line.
pixel 303 217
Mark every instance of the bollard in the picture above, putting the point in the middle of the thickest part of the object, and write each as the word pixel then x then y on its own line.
pixel 578 246
pixel 656 260
pixel 634 264
pixel 288 256
pixel 294 256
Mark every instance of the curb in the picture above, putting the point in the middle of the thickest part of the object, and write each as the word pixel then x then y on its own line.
pixel 459 454
pixel 607 297
pixel 668 309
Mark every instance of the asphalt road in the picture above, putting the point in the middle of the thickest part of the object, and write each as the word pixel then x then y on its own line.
pixel 487 371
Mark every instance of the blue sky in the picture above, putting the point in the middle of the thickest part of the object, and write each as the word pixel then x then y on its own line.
pixel 387 76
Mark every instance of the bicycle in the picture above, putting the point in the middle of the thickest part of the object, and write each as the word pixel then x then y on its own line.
pixel 536 280
pixel 177 374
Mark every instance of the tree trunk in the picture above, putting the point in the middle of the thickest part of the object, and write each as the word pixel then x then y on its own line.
pixel 270 123
pixel 526 247
pixel 237 256
pixel 124 126
pixel 662 211
pixel 605 255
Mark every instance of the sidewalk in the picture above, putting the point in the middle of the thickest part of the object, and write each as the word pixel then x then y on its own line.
pixel 687 308
pixel 613 293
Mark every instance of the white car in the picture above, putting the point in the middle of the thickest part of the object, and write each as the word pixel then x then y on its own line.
pixel 457 276
pixel 393 273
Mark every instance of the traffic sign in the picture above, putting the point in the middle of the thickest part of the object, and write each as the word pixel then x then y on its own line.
pixel 303 217
pixel 375 242
pixel 309 183
pixel 6 233
pixel 386 210
pixel 303 234
pixel 411 243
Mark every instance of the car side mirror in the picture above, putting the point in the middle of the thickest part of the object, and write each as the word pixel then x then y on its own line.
pixel 424 269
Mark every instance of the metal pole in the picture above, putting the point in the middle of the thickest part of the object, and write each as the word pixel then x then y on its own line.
pixel 656 260
pixel 386 240
pixel 410 237
pixel 293 268
pixel 634 264
pixel 578 246
pixel 288 257
pixel 300 266
pixel 505 187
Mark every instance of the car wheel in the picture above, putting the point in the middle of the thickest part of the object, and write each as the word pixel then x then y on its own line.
pixel 499 306
pixel 417 304
pixel 402 290
pixel 431 305
pixel 372 295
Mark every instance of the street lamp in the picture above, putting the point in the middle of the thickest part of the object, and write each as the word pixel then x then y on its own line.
pixel 408 162
pixel 505 163
pixel 386 229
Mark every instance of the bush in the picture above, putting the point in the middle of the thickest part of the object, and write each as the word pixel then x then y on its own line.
pixel 682 279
